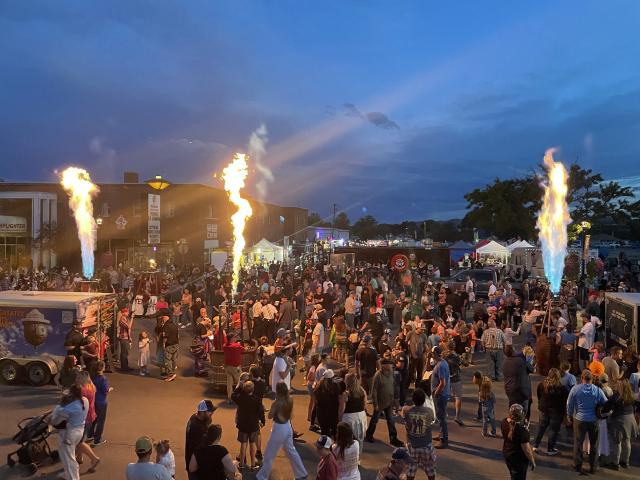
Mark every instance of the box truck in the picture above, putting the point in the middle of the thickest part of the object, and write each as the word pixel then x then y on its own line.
pixel 34 325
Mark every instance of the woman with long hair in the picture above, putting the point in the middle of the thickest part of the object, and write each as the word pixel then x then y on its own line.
pixel 347 452
pixel 622 425
pixel 552 400
pixel 281 436
pixel 311 379
pixel 327 394
pixel 351 408
pixel 516 448
pixel 88 389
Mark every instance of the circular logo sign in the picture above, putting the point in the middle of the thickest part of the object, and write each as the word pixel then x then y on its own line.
pixel 399 262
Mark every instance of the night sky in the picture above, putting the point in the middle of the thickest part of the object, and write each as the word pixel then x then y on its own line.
pixel 395 109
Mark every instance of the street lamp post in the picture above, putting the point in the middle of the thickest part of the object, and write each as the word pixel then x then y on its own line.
pixel 158 184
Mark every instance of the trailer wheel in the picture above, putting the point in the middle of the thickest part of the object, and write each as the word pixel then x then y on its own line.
pixel 9 371
pixel 38 373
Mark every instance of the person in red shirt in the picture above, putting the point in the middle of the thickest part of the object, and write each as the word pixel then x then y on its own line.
pixel 327 466
pixel 233 350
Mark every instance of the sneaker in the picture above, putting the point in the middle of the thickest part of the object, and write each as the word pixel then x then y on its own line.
pixel 314 428
pixel 101 442
pixel 459 421
pixel 396 442
pixel 552 452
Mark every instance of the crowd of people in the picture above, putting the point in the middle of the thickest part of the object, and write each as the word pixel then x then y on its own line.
pixel 369 343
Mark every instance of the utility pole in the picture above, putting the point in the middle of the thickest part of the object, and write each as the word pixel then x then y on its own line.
pixel 333 226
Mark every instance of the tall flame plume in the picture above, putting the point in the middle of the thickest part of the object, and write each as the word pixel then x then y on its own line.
pixel 234 176
pixel 553 220
pixel 78 185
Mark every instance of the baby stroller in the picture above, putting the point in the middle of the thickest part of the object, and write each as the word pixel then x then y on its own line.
pixel 32 437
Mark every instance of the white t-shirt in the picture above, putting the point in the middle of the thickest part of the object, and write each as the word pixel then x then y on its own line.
pixel 492 289
pixel 318 337
pixel 147 471
pixel 269 311
pixel 280 365
pixel 326 285
pixel 469 286
pixel 587 335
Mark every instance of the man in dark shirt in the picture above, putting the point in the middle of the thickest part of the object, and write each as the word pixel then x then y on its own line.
pixel 517 385
pixel 74 340
pixel 366 363
pixel 169 337
pixel 196 430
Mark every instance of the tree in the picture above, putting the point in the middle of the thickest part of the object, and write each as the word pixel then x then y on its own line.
pixel 342 221
pixel 506 208
pixel 365 228
pixel 509 208
pixel 316 220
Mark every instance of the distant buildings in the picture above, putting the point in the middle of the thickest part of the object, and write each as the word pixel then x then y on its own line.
pixel 37 227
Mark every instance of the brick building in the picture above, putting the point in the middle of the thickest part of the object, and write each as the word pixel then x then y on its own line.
pixel 37 227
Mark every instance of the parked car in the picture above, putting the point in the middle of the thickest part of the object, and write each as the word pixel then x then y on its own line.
pixel 480 277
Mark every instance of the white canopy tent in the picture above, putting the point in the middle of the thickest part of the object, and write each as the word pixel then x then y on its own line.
pixel 493 251
pixel 519 244
pixel 265 251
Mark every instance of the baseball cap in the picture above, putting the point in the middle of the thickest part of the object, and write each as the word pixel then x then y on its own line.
pixel 328 373
pixel 281 332
pixel 144 445
pixel 324 442
pixel 206 406
pixel 437 351
pixel 401 453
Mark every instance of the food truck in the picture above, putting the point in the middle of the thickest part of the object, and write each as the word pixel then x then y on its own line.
pixel 34 325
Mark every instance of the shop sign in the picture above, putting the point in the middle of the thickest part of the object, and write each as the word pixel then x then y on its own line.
pixel 12 225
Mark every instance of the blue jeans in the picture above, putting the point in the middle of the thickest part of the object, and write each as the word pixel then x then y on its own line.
pixel 495 364
pixel 488 419
pixel 98 426
pixel 441 414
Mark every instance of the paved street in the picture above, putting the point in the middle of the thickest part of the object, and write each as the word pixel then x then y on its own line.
pixel 148 406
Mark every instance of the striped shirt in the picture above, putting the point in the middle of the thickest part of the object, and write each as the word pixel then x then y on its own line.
pixel 493 339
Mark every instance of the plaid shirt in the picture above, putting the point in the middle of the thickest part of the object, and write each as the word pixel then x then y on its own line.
pixel 493 339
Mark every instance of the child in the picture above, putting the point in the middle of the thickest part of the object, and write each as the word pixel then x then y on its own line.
pixel 176 313
pixel 488 401
pixel 164 456
pixel 477 381
pixel 143 352
pixel 397 467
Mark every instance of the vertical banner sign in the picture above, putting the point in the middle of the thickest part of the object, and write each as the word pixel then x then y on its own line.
pixel 585 248
pixel 153 222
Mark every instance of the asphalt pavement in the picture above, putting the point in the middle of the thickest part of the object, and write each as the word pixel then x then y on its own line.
pixel 149 406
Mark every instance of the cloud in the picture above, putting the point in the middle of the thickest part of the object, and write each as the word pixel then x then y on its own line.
pixel 377 119
pixel 382 121
pixel 352 111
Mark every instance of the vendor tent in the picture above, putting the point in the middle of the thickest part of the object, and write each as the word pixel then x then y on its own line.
pixel 265 251
pixel 519 244
pixel 493 251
